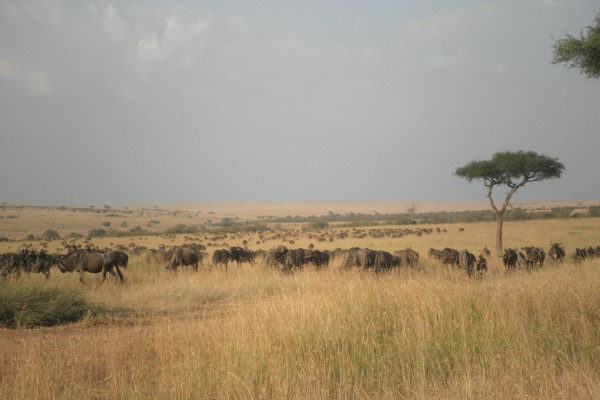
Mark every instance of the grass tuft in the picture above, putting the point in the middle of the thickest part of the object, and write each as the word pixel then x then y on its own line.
pixel 32 306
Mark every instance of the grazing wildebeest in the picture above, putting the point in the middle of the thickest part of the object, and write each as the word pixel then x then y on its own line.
pixel 580 255
pixel 90 261
pixel 408 257
pixel 275 258
pixel 357 257
pixel 294 259
pixel 466 260
pixel 449 257
pixel 482 264
pixel 592 252
pixel 383 261
pixel 434 253
pixel 533 256
pixel 509 258
pixel 183 257
pixel 240 255
pixel 28 261
pixel 317 258
pixel 221 257
pixel 556 252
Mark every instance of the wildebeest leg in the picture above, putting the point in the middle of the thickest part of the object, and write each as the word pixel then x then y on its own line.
pixel 81 275
pixel 121 279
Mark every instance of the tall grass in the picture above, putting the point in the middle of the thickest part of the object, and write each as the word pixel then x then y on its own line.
pixel 252 333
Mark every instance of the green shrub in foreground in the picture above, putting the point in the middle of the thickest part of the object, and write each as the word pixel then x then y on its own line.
pixel 32 306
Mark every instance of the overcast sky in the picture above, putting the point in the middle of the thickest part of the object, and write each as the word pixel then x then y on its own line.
pixel 287 101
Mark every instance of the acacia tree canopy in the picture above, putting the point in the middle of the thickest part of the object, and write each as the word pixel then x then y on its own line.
pixel 513 169
pixel 582 52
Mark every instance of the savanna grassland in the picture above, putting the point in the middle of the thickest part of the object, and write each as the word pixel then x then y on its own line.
pixel 253 332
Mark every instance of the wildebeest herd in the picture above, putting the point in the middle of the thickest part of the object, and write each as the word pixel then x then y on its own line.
pixel 280 258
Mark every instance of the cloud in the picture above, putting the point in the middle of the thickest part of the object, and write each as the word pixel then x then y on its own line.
pixel 180 44
pixel 35 82
pixel 553 3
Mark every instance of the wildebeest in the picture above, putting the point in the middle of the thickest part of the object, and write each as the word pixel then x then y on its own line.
pixel 90 261
pixel 533 256
pixel 408 257
pixel 556 252
pixel 121 258
pixel 580 255
pixel 28 261
pixel 317 258
pixel 294 259
pixel 275 257
pixel 447 256
pixel 240 255
pixel 183 257
pixel 222 257
pixel 509 258
pixel 384 261
pixel 357 257
pixel 466 260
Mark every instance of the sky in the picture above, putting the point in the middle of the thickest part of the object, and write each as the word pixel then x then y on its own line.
pixel 148 102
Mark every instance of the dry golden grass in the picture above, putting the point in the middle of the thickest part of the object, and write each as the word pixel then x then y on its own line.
pixel 255 333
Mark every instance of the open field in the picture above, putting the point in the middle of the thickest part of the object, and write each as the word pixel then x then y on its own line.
pixel 253 332
pixel 17 221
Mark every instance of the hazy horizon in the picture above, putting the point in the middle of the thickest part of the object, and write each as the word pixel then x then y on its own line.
pixel 287 102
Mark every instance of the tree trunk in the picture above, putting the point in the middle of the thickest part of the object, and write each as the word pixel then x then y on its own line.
pixel 499 222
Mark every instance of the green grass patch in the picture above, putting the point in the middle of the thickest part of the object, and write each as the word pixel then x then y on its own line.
pixel 33 306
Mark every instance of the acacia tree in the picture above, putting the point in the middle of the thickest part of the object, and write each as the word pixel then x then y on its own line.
pixel 582 52
pixel 511 169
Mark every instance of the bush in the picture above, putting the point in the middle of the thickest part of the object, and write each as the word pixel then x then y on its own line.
pixel 106 224
pixel 31 306
pixel 50 234
pixel 96 233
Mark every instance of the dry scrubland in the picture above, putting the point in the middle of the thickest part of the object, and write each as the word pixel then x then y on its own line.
pixel 255 333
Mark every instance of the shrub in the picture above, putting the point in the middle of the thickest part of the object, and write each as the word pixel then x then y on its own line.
pixel 96 233
pixel 51 234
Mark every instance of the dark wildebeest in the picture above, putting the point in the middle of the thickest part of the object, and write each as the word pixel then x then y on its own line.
pixel 294 259
pixel 90 261
pixel 383 261
pixel 434 253
pixel 449 257
pixel 317 258
pixel 533 256
pixel 466 260
pixel 509 258
pixel 240 255
pixel 221 257
pixel 556 252
pixel 275 258
pixel 183 257
pixel 408 257
pixel 357 257
pixel 580 255
pixel 121 258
